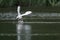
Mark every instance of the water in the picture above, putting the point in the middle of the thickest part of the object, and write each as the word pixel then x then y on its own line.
pixel 33 28
pixel 31 31
pixel 35 15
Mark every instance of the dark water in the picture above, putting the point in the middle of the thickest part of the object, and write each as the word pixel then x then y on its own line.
pixel 35 27
pixel 38 31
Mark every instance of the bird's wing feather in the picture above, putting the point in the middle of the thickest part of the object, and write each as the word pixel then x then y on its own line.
pixel 26 13
pixel 18 10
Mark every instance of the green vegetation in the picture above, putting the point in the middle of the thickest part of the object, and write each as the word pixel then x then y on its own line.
pixel 12 3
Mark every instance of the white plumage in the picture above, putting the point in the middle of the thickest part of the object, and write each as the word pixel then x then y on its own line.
pixel 20 15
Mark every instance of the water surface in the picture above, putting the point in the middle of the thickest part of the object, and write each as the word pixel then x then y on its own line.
pixel 37 26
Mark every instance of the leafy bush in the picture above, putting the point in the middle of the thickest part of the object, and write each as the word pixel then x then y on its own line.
pixel 12 3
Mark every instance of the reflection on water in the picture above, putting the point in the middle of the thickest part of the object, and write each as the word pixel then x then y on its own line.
pixel 23 31
pixel 40 31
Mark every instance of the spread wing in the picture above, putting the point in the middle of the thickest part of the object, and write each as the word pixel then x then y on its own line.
pixel 18 10
pixel 26 13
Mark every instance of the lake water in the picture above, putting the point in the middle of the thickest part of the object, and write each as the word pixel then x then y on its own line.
pixel 37 26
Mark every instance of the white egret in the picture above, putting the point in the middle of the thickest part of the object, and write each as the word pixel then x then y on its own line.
pixel 20 15
pixel 21 27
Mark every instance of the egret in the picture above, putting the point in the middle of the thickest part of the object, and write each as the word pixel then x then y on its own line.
pixel 20 15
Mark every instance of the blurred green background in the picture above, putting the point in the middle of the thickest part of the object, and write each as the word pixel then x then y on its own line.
pixel 35 3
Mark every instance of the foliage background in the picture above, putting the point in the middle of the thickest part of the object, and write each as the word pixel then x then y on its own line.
pixel 35 3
